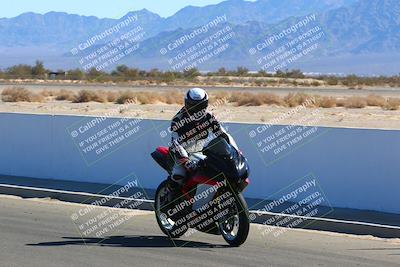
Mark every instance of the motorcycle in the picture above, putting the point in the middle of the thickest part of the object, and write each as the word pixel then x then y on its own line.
pixel 211 199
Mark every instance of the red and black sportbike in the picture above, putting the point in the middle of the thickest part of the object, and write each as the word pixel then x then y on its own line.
pixel 211 198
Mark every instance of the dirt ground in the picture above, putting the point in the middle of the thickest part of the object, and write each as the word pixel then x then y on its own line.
pixel 369 117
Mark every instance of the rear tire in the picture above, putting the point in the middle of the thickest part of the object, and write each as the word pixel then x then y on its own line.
pixel 162 222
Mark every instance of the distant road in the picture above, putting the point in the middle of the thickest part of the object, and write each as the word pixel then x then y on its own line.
pixel 314 90
pixel 41 233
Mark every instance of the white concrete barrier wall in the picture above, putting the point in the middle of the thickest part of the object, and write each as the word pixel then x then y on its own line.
pixel 355 168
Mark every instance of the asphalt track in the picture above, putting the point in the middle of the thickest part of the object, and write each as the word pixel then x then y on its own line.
pixel 42 233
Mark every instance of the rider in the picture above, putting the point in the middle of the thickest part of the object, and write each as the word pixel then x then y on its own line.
pixel 192 127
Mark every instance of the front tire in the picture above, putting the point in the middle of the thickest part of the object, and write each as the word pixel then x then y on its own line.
pixel 162 203
pixel 240 219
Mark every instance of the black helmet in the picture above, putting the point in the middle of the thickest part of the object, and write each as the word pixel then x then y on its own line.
pixel 196 100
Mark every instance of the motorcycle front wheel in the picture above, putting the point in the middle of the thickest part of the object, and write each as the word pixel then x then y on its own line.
pixel 235 226
pixel 162 204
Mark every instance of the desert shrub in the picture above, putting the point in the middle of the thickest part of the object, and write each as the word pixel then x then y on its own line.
pixel 126 97
pixel 294 100
pixel 315 83
pixel 258 82
pixel 271 99
pixel 356 102
pixel 149 98
pixel 351 81
pixel 392 104
pixel 332 81
pixel 90 96
pixel 251 99
pixel 65 95
pixel 47 93
pixel 234 97
pixel 174 98
pixel 244 99
pixel 224 80
pixel 326 102
pixel 375 100
pixel 218 96
pixel 341 102
pixel 19 94
pixel 112 96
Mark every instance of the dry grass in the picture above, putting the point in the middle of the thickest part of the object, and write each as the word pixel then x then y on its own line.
pixel 250 99
pixel 294 100
pixel 173 98
pixel 326 102
pixel 90 96
pixel 355 102
pixel 112 96
pixel 341 102
pixel 65 95
pixel 392 104
pixel 47 93
pixel 144 98
pixel 126 97
pixel 271 99
pixel 217 96
pixel 148 98
pixel 19 94
pixel 375 101
pixel 245 99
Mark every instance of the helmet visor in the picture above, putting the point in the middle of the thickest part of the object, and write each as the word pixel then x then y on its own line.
pixel 196 107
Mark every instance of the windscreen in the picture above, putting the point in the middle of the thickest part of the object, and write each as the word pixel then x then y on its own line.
pixel 219 146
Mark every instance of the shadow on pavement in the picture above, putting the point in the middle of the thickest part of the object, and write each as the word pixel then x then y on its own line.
pixel 129 241
pixel 379 249
pixel 376 249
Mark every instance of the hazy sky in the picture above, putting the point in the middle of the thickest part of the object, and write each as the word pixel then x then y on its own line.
pixel 100 8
